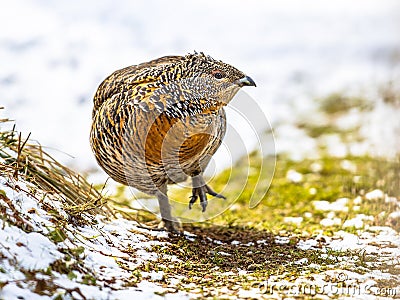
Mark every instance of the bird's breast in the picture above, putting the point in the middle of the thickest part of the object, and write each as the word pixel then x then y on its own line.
pixel 181 139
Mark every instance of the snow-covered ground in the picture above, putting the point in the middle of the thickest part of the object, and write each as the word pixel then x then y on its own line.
pixel 102 249
pixel 55 53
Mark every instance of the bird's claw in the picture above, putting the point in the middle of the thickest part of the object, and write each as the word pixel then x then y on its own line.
pixel 193 199
pixel 172 226
pixel 201 193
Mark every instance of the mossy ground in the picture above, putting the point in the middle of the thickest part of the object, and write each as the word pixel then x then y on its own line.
pixel 210 262
pixel 331 182
pixel 244 239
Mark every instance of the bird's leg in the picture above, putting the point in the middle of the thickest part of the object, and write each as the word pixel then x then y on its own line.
pixel 200 190
pixel 165 209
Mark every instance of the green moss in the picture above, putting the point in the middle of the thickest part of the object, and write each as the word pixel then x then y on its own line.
pixel 330 181
pixel 317 130
pixel 89 279
pixel 205 263
pixel 78 251
pixel 217 265
pixel 57 235
pixel 286 198
pixel 337 103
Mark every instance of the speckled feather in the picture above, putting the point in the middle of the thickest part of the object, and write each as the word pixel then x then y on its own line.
pixel 158 122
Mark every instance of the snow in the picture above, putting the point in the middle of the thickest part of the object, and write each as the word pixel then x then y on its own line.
pixel 18 245
pixel 389 199
pixel 307 244
pixel 13 291
pixel 358 221
pixel 316 167
pixel 153 275
pixel 104 253
pixel 374 195
pixel 282 239
pixel 293 220
pixel 394 215
pixel 301 261
pixel 330 222
pixel 294 176
pixel 357 200
pixel 338 205
pixel 348 166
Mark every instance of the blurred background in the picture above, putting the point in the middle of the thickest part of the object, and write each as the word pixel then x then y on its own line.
pixel 326 72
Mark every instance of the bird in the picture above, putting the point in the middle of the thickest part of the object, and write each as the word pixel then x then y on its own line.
pixel 160 122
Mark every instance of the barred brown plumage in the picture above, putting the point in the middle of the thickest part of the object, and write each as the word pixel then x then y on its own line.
pixel 159 122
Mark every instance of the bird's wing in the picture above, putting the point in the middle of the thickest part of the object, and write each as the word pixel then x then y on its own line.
pixel 133 82
pixel 140 86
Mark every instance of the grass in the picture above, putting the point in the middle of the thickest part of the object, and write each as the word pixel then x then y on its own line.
pixel 347 177
pixel 238 250
pixel 217 265
pixel 22 158
pixel 338 103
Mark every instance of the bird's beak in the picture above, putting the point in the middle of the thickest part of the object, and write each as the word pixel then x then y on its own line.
pixel 245 81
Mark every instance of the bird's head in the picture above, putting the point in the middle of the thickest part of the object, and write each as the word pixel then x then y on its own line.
pixel 187 85
pixel 218 80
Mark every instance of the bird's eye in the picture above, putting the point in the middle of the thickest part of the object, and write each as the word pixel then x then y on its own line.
pixel 218 75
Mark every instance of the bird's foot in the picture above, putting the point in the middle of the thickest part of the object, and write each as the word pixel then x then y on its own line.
pixel 168 222
pixel 173 226
pixel 201 193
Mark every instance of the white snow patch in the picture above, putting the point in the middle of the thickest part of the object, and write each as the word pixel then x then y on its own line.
pixel 308 215
pixel 307 244
pixel 374 195
pixel 312 191
pixel 224 253
pixel 104 244
pixel 389 199
pixel 358 221
pixel 301 261
pixel 282 239
pixel 157 276
pixel 293 220
pixel 338 205
pixel 316 167
pixel 294 176
pixel 394 215
pixel 348 166
pixel 357 200
pixel 33 251
pixel 330 222
pixel 13 291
